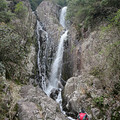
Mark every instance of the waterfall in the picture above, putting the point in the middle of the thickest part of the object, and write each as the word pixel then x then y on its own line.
pixel 41 61
pixel 56 67
pixel 55 75
pixel 53 85
pixel 57 64
pixel 62 16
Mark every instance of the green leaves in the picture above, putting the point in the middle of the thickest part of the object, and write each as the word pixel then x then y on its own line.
pixel 60 2
pixel 35 3
pixel 20 10
pixel 10 49
pixel 89 12
pixel 5 14
pixel 99 101
pixel 3 5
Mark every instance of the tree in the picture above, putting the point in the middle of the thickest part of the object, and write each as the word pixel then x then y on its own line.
pixel 20 10
pixel 88 12
pixel 60 2
pixel 35 3
pixel 5 15
pixel 3 5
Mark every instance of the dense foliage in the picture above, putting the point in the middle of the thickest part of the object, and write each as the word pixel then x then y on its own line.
pixel 35 3
pixel 88 12
pixel 5 14
pixel 8 50
pixel 20 10
pixel 60 2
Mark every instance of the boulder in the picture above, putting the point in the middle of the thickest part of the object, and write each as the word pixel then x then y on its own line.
pixel 28 111
pixel 36 105
pixel 54 93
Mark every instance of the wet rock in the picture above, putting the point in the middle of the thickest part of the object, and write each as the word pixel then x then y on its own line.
pixel 48 15
pixel 54 94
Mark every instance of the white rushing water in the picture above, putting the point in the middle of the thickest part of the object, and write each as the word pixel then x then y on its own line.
pixel 57 63
pixel 42 73
pixel 55 72
pixel 62 16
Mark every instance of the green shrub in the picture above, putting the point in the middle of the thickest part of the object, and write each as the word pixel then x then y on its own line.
pixel 35 3
pixel 60 2
pixel 114 21
pixel 5 15
pixel 99 101
pixel 3 5
pixel 90 12
pixel 97 72
pixel 20 10
pixel 111 3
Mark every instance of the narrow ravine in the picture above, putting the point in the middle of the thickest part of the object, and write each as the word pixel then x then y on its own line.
pixel 55 76
pixel 53 86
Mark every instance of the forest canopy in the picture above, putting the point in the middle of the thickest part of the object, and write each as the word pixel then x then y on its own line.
pixel 88 12
pixel 35 3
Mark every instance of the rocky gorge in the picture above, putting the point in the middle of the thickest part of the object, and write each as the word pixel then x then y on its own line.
pixel 87 76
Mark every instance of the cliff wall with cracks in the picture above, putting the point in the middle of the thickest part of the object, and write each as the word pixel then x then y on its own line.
pixel 95 78
pixel 17 52
pixel 17 58
pixel 48 15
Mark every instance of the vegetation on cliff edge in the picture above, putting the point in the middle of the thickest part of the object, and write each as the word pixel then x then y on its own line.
pixel 15 41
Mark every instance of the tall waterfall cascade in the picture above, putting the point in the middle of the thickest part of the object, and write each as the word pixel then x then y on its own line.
pixel 55 76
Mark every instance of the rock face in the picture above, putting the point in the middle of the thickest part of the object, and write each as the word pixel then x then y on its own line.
pixel 92 88
pixel 19 60
pixel 35 105
pixel 8 95
pixel 26 113
pixel 28 62
pixel 48 14
pixel 71 58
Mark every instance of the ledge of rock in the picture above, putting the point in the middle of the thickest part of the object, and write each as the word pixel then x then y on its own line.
pixel 36 105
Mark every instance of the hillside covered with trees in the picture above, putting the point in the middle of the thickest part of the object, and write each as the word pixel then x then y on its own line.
pixel 90 67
